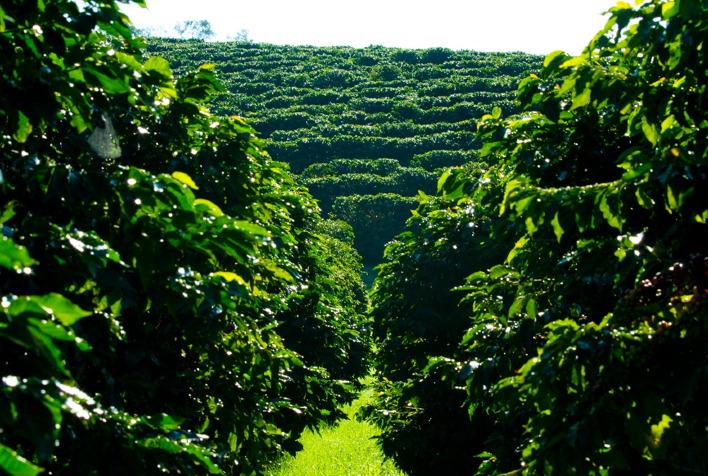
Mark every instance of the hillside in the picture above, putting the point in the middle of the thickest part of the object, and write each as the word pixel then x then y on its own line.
pixel 173 302
pixel 364 129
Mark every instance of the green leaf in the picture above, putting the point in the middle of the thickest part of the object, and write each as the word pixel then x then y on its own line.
pixel 673 204
pixel 531 226
pixel 54 330
pixel 229 276
pixel 643 199
pixel 8 212
pixel 668 123
pixel 651 132
pixel 202 455
pixel 531 309
pixel 510 189
pixel 567 86
pixel 476 277
pixel 14 256
pixel 581 99
pixel 15 465
pixel 669 10
pixel 578 60
pixel 24 128
pixel 518 246
pixel 203 205
pixel 111 85
pixel 612 217
pixel 251 228
pixel 443 179
pixel 158 65
pixel 516 306
pixel 129 60
pixel 35 339
pixel 496 112
pixel 499 271
pixel 66 311
pixel 553 57
pixel 449 184
pixel 280 273
pixel 657 431
pixel 557 229
pixel 3 16
pixel 165 422
pixel 185 179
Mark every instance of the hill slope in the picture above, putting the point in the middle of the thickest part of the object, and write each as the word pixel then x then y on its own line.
pixel 365 129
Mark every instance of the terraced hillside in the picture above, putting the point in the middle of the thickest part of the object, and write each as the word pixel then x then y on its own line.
pixel 364 129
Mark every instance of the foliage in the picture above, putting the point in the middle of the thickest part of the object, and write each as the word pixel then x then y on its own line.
pixel 407 181
pixel 317 105
pixel 437 160
pixel 374 219
pixel 352 166
pixel 385 72
pixel 582 344
pixel 436 55
pixel 631 228
pixel 241 35
pixel 149 253
pixel 416 315
pixel 325 321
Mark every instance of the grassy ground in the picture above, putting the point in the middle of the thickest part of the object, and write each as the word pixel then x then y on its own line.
pixel 343 450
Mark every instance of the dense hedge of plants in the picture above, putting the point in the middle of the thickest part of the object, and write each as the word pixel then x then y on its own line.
pixel 158 270
pixel 573 334
pixel 374 219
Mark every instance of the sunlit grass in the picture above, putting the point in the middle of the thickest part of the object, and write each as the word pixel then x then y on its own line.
pixel 347 449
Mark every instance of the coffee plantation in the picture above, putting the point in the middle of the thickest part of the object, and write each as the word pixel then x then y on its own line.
pixel 186 224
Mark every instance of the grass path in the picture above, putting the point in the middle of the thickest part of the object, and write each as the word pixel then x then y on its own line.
pixel 346 449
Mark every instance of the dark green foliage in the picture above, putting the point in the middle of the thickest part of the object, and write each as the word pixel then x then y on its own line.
pixel 381 167
pixel 579 343
pixel 153 262
pixel 337 229
pixel 407 110
pixel 385 72
pixel 417 314
pixel 316 105
pixel 406 56
pixel 346 177
pixel 436 55
pixel 436 160
pixel 374 219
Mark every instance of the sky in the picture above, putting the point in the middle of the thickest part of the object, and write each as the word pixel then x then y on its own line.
pixel 532 26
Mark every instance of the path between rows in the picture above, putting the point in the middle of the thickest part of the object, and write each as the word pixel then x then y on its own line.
pixel 347 449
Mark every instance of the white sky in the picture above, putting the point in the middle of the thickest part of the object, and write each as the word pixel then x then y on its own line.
pixel 533 26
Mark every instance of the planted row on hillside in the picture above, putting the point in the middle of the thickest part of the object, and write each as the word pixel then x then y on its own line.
pixel 549 315
pixel 167 302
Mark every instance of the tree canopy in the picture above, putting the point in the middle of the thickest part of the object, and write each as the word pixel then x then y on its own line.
pixel 195 29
